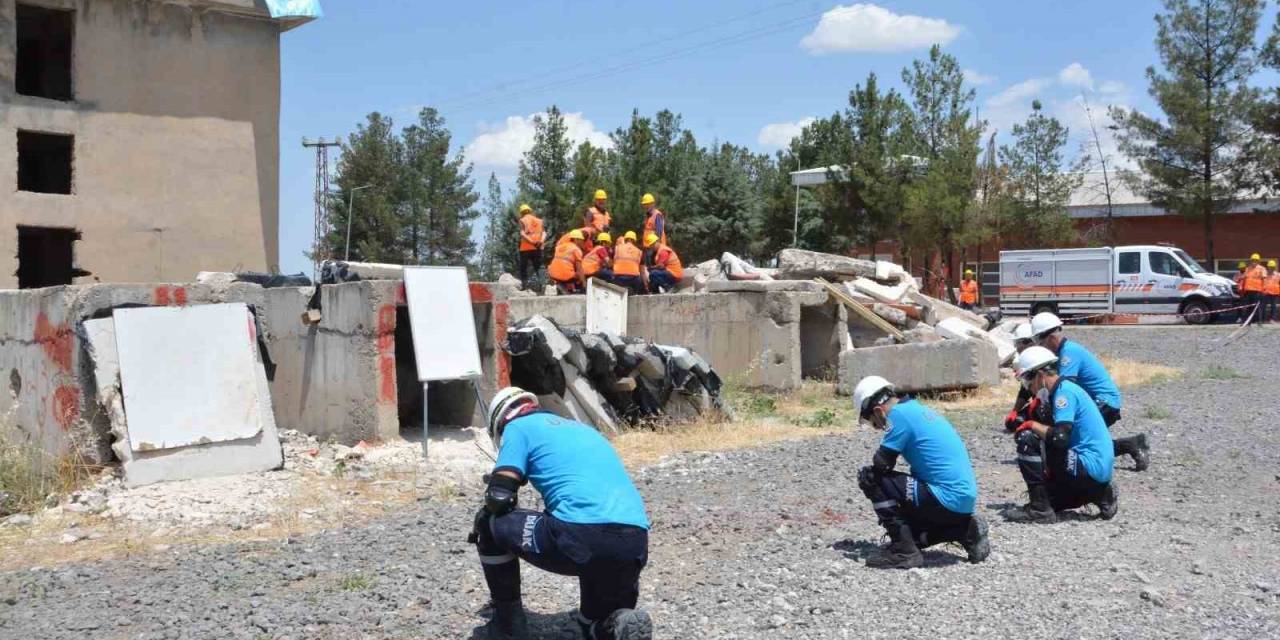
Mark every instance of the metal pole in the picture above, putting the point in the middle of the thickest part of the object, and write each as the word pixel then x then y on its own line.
pixel 795 227
pixel 426 428
pixel 351 200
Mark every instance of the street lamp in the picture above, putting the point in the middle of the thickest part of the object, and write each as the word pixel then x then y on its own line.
pixel 351 200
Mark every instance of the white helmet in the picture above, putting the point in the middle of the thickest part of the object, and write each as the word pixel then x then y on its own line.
pixel 1033 359
pixel 500 408
pixel 1023 332
pixel 868 389
pixel 1043 323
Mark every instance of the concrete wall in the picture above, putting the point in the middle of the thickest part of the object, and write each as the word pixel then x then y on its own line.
pixel 176 124
pixel 49 389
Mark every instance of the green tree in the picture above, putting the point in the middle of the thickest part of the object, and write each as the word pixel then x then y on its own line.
pixel 591 170
pixel 370 160
pixel 545 172
pixel 438 195
pixel 876 176
pixel 1201 155
pixel 502 232
pixel 725 207
pixel 944 134
pixel 1040 182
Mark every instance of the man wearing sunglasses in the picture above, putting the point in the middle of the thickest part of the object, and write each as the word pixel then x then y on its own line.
pixel 1066 463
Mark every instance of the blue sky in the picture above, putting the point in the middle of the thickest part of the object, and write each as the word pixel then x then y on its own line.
pixel 745 71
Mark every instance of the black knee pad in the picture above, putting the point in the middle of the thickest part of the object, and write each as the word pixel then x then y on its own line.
pixel 869 482
pixel 1028 442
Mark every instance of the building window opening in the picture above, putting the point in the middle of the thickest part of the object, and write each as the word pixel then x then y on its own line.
pixel 43 66
pixel 44 162
pixel 46 257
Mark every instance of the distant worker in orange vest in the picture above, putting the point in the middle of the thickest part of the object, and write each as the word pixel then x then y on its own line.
pixel 665 270
pixel 627 264
pixel 968 291
pixel 655 221
pixel 566 266
pixel 1252 287
pixel 1238 278
pixel 532 237
pixel 587 234
pixel 598 263
pixel 1271 294
pixel 597 215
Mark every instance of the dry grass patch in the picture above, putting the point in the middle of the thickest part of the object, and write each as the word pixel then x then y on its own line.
pixel 1132 373
pixel 643 447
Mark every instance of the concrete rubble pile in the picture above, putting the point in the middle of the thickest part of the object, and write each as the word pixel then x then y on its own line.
pixel 606 380
pixel 941 347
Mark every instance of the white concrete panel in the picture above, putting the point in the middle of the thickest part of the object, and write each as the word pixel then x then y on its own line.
pixel 606 308
pixel 188 375
pixel 444 329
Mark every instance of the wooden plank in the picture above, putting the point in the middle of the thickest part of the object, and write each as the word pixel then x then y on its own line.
pixel 861 309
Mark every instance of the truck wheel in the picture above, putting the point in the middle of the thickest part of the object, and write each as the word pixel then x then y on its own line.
pixel 1043 307
pixel 1196 312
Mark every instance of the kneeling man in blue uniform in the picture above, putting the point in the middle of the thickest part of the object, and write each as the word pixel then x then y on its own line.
pixel 594 528
pixel 935 502
pixel 1066 464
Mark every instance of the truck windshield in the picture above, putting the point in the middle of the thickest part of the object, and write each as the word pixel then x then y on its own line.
pixel 1191 265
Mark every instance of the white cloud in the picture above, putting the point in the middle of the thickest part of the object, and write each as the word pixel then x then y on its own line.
pixel 503 145
pixel 1112 87
pixel 1018 93
pixel 1075 75
pixel 867 27
pixel 977 78
pixel 779 134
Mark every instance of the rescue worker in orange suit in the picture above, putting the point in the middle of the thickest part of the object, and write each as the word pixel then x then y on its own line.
pixel 663 265
pixel 1271 294
pixel 532 237
pixel 655 221
pixel 1252 286
pixel 628 264
pixel 587 234
pixel 1238 278
pixel 598 262
pixel 566 266
pixel 968 291
pixel 597 215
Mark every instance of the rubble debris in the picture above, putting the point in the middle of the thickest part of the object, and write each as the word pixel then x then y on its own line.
pixel 957 329
pixel 335 271
pixel 264 280
pixel 944 365
pixel 882 293
pixel 896 317
pixel 605 380
pixel 799 264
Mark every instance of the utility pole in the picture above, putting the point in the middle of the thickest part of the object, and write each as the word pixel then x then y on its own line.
pixel 318 252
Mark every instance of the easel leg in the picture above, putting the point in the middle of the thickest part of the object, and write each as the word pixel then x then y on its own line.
pixel 426 421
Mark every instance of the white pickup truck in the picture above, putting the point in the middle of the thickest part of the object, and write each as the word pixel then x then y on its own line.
pixel 1128 279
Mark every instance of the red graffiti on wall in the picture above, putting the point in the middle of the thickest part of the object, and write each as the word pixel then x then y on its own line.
pixel 160 295
pixel 55 340
pixel 480 293
pixel 180 296
pixel 66 406
pixel 387 353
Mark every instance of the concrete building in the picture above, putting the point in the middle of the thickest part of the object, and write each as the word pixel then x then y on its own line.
pixel 139 139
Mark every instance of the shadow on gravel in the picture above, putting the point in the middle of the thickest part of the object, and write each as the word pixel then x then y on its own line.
pixel 859 550
pixel 542 626
pixel 1010 510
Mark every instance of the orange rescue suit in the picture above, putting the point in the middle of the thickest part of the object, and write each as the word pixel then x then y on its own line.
pixel 665 258
pixel 1253 277
pixel 1271 285
pixel 626 259
pixel 595 259
pixel 651 224
pixel 586 234
pixel 530 227
pixel 597 219
pixel 564 266
pixel 969 291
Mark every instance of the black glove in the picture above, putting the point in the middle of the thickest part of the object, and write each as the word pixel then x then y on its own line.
pixel 478 524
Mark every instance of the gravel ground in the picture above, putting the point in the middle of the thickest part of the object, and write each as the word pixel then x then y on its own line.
pixel 769 543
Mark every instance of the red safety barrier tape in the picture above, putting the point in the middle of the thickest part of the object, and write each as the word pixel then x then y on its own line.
pixel 1162 314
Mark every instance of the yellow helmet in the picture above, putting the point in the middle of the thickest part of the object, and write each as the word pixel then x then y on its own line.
pixel 576 234
pixel 630 235
pixel 968 272
pixel 1271 264
pixel 1241 265
pixel 604 238
pixel 647 199
pixel 650 238
pixel 1255 257
pixel 601 195
pixel 524 208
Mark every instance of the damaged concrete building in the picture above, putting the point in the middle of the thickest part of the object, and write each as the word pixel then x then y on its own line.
pixel 139 140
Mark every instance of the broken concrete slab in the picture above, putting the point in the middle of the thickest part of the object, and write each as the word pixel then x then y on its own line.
pixel 935 366
pixel 556 340
pixel 938 310
pixel 894 316
pixel 721 286
pixel 891 272
pixel 799 264
pixel 955 328
pixel 882 293
pixel 598 412
pixel 921 333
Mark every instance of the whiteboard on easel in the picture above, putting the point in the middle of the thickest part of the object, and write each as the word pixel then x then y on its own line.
pixel 444 328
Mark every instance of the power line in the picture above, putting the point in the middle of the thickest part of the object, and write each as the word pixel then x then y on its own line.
pixel 513 85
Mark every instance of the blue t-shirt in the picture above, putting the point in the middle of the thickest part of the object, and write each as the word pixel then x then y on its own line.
pixel 1079 364
pixel 935 452
pixel 1090 442
pixel 575 469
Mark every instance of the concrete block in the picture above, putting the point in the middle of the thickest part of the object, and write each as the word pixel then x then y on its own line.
pixel 893 316
pixel 720 286
pixel 597 411
pixel 955 328
pixel 559 344
pixel 938 310
pixel 798 264
pixel 882 293
pixel 934 366
pixel 891 272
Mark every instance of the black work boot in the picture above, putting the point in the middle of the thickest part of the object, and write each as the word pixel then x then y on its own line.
pixel 975 540
pixel 1109 503
pixel 508 621
pixel 624 624
pixel 1141 453
pixel 901 552
pixel 1038 509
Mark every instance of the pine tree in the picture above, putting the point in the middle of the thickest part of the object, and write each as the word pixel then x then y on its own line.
pixel 545 173
pixel 438 195
pixel 1040 182
pixel 502 234
pixel 369 160
pixel 1202 155
pixel 726 208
